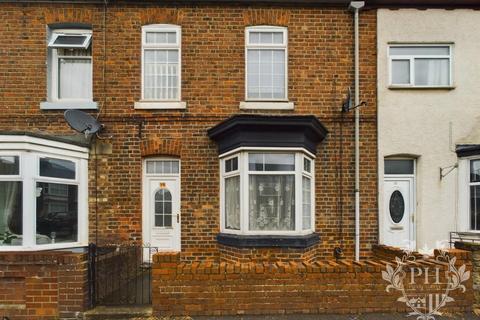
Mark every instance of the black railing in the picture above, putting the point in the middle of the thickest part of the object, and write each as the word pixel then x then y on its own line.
pixel 465 237
pixel 120 274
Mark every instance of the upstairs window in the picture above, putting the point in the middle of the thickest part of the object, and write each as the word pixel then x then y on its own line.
pixel 266 62
pixel 70 65
pixel 420 65
pixel 161 63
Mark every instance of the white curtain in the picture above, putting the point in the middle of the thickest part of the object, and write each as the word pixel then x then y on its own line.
pixel 8 218
pixel 272 202
pixel 432 72
pixel 307 206
pixel 232 203
pixel 75 78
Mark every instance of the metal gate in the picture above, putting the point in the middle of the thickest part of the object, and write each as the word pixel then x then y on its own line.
pixel 120 274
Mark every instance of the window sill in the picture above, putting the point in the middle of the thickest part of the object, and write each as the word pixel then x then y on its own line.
pixel 62 105
pixel 267 105
pixel 259 241
pixel 421 88
pixel 160 105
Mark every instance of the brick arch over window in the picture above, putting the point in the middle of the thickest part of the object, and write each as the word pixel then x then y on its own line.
pixel 74 15
pixel 160 15
pixel 161 147
pixel 266 17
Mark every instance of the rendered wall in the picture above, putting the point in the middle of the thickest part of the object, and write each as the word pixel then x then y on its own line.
pixel 427 124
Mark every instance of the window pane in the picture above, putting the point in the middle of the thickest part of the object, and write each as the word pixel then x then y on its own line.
pixel 475 207
pixel 266 74
pixel 306 203
pixel 161 72
pixel 416 50
pixel 57 213
pixel 271 161
pixel 163 167
pixel 232 203
pixel 475 171
pixel 400 71
pixel 231 164
pixel 10 213
pixel 163 208
pixel 75 78
pixel 257 37
pixel 279 162
pixel 307 165
pixel 434 72
pixel 70 40
pixel 272 202
pixel 9 165
pixel 398 167
pixel 57 168
pixel 161 37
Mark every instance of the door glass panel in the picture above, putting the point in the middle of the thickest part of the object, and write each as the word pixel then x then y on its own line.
pixel 398 166
pixel 397 206
pixel 163 208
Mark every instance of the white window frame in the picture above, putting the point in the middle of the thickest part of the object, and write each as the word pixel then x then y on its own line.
pixel 463 223
pixel 30 150
pixel 411 59
pixel 57 34
pixel 259 46
pixel 243 172
pixel 54 62
pixel 162 103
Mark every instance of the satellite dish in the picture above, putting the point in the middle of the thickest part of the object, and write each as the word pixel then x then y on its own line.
pixel 82 122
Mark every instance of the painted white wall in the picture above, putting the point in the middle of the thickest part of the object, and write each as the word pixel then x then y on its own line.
pixel 417 122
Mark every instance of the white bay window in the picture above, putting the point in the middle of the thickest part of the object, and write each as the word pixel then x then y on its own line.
pixel 43 194
pixel 267 193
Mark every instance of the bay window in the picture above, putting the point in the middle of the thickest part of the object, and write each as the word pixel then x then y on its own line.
pixel 474 186
pixel 267 192
pixel 43 194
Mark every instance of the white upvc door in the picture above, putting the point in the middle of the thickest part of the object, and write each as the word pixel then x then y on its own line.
pixel 161 213
pixel 399 212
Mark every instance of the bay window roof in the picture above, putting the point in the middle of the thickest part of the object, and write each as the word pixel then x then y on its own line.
pixel 268 131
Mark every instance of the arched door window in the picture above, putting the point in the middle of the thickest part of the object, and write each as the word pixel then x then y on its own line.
pixel 163 208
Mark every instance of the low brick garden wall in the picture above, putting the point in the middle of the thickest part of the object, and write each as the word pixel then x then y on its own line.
pixel 209 288
pixel 43 285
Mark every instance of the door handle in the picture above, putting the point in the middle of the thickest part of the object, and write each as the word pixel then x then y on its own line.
pixel 178 217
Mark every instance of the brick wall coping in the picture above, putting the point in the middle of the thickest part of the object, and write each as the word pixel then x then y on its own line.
pixel 43 257
pixel 169 262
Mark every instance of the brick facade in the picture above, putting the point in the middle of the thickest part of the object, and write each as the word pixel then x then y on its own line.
pixel 320 71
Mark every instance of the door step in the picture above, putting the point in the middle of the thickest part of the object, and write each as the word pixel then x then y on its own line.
pixel 117 313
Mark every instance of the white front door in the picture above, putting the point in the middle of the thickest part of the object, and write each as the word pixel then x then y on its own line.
pixel 161 213
pixel 399 212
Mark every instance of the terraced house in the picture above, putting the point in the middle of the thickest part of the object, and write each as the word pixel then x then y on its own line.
pixel 228 140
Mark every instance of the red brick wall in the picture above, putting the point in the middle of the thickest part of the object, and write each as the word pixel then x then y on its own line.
pixel 206 288
pixel 43 285
pixel 320 70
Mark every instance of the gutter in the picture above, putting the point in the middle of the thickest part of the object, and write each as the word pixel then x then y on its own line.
pixel 355 6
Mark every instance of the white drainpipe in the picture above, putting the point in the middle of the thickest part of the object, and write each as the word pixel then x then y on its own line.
pixel 356 6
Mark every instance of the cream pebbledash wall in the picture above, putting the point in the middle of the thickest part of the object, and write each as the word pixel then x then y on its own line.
pixel 428 123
